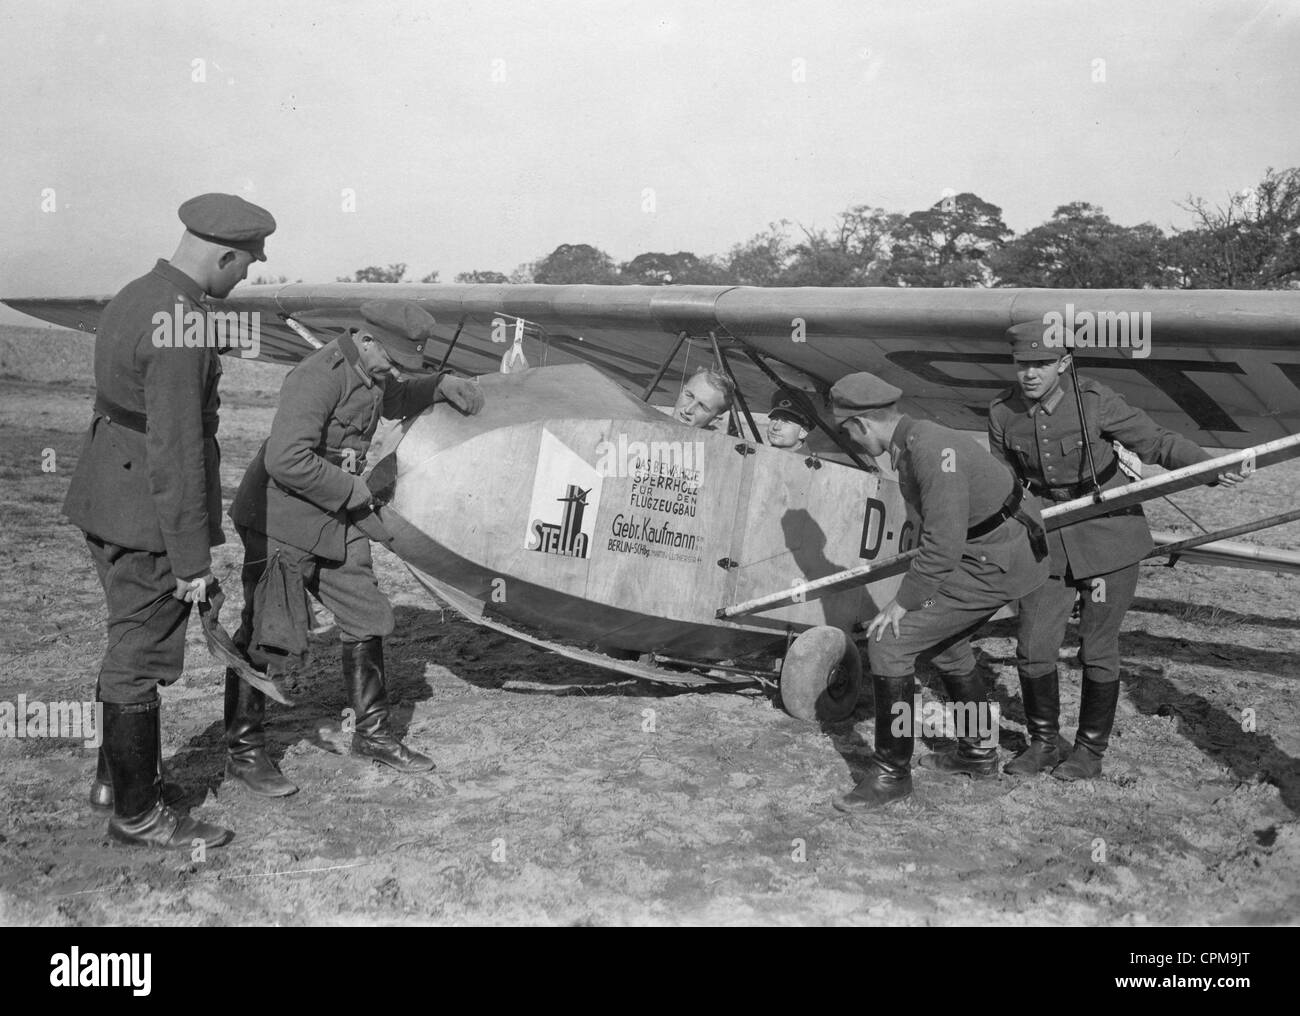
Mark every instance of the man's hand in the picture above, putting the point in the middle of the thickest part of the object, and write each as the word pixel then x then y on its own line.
pixel 1231 479
pixel 888 617
pixel 204 589
pixel 462 393
pixel 360 496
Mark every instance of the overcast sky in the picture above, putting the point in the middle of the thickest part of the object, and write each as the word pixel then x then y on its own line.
pixel 479 135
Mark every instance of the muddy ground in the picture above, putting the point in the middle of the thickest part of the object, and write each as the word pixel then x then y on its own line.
pixel 556 803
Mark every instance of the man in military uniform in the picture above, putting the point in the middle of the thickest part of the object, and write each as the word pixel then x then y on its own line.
pixel 981 546
pixel 704 398
pixel 1035 428
pixel 147 494
pixel 788 422
pixel 304 512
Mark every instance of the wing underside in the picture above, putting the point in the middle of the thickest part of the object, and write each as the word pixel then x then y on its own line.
pixel 1222 367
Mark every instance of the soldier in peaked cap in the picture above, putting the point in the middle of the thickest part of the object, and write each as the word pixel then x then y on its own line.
pixel 227 220
pixel 789 422
pixel 980 546
pixel 1035 428
pixel 147 494
pixel 303 512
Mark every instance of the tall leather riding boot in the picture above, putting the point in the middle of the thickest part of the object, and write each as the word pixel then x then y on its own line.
pixel 363 673
pixel 889 774
pixel 140 816
pixel 971 757
pixel 1047 748
pixel 101 789
pixel 246 758
pixel 1096 717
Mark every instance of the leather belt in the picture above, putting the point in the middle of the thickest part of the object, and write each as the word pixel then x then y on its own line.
pixel 131 420
pixel 1074 490
pixel 1013 508
pixel 337 457
pixel 119 415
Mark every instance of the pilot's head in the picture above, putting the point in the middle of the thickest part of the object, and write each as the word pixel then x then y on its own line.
pixel 788 422
pixel 704 398
pixel 866 409
pixel 1038 366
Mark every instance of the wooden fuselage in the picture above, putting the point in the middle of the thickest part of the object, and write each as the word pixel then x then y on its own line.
pixel 570 507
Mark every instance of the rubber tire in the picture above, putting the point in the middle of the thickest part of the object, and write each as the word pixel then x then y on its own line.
pixel 821 677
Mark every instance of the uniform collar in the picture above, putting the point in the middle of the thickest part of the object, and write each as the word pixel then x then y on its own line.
pixel 180 280
pixel 899 439
pixel 905 425
pixel 1049 404
pixel 348 347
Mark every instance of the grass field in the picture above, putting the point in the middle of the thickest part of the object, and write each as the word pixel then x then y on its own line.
pixel 556 802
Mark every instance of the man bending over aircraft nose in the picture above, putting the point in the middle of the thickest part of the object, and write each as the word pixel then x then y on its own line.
pixel 704 398
pixel 303 512
pixel 1034 427
pixel 981 546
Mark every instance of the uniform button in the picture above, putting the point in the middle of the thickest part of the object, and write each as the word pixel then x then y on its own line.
pixel 983 557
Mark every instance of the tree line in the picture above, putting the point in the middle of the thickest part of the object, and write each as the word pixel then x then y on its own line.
pixel 1252 241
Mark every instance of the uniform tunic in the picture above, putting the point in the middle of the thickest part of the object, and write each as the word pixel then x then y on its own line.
pixel 954 584
pixel 1043 442
pixel 293 500
pixel 149 502
pixel 161 490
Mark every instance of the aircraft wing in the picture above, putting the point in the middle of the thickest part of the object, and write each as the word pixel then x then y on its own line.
pixel 1221 366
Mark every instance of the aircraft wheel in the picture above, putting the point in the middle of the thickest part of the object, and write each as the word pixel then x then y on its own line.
pixel 821 676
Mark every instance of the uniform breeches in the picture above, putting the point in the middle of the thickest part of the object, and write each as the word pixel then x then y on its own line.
pixel 946 624
pixel 1045 613
pixel 146 623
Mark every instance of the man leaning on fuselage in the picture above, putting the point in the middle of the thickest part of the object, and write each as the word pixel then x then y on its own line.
pixel 306 517
pixel 980 547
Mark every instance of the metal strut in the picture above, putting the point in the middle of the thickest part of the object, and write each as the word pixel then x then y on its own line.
pixel 454 339
pixel 1173 550
pixel 739 395
pixel 835 436
pixel 663 367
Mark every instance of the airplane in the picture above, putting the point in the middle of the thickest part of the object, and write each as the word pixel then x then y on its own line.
pixel 574 514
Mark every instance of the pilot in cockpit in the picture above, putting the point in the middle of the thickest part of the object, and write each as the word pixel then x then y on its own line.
pixel 704 398
pixel 788 422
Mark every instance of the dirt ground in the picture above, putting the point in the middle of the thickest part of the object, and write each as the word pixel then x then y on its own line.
pixel 565 795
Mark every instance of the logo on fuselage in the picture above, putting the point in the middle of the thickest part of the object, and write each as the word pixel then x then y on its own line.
pixel 565 537
pixel 566 530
